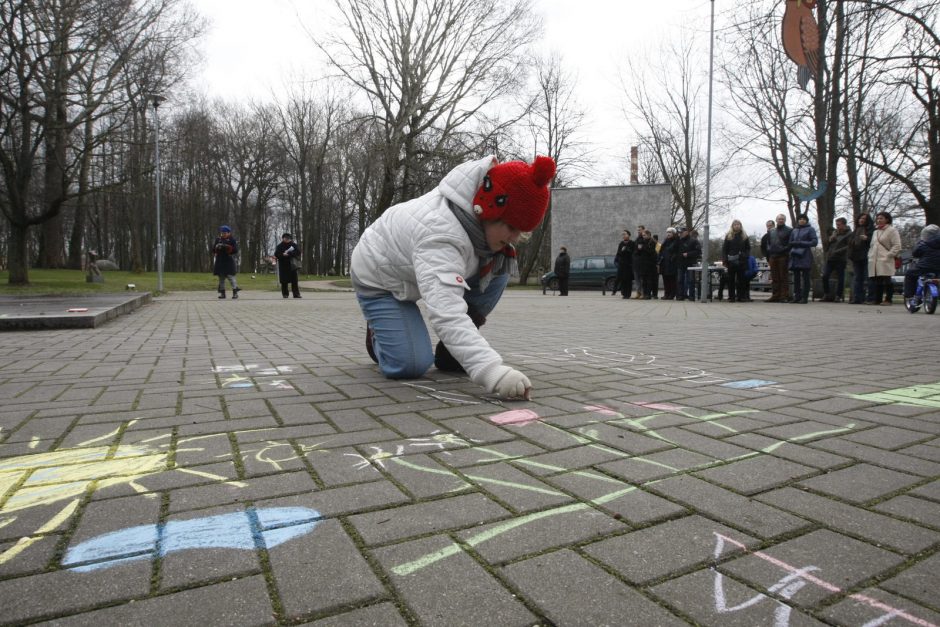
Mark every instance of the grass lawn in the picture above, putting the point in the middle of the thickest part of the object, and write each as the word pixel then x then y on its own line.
pixel 68 282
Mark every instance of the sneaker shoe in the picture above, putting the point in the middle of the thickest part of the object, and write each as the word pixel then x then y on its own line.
pixel 443 360
pixel 369 348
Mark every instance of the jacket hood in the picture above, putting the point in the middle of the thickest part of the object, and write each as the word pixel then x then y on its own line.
pixel 460 185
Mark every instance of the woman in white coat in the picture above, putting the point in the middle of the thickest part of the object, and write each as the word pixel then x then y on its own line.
pixel 454 248
pixel 885 248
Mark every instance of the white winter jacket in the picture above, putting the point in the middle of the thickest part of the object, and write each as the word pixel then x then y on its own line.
pixel 418 250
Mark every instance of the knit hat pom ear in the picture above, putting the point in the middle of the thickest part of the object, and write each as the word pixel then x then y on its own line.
pixel 543 170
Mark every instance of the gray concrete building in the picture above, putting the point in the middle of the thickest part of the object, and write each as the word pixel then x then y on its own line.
pixel 589 220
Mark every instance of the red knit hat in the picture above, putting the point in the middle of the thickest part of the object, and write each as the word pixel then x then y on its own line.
pixel 516 193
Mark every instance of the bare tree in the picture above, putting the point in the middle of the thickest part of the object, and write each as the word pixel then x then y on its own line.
pixel 554 122
pixel 663 100
pixel 428 66
pixel 64 62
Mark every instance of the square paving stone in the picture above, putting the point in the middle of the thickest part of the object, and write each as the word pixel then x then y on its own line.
pixel 381 615
pixel 921 511
pixel 423 477
pixel 710 598
pixel 877 607
pixel 343 501
pixel 443 585
pixel 928 491
pixel 924 451
pixel 805 431
pixel 548 436
pixel 789 450
pixel 670 547
pixel 514 488
pixel 645 468
pixel 622 439
pixel 879 529
pixel 100 517
pixel 880 457
pixel 733 509
pixel 860 483
pixel 31 559
pixel 920 582
pixel 755 474
pixel 240 491
pixel 546 581
pixel 489 453
pixel 67 591
pixel 241 602
pixel 322 571
pixel 536 532
pixel 414 520
pixel 719 449
pixel 888 437
pixel 569 459
pixel 622 500
pixel 839 561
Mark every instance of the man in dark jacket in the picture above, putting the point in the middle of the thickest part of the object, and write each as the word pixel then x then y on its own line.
pixel 690 250
pixel 287 254
pixel 624 263
pixel 778 256
pixel 563 271
pixel 836 259
pixel 927 254
pixel 765 240
pixel 225 248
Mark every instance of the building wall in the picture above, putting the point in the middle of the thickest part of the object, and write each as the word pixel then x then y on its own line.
pixel 589 220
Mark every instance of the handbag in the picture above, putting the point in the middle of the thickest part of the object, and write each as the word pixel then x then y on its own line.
pixel 734 258
pixel 295 263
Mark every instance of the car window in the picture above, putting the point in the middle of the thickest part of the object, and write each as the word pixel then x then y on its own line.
pixel 577 264
pixel 595 263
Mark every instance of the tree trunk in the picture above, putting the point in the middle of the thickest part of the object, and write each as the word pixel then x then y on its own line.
pixel 17 249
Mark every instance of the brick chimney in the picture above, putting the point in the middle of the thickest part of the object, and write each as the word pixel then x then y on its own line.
pixel 634 166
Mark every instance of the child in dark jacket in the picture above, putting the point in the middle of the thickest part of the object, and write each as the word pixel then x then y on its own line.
pixel 927 254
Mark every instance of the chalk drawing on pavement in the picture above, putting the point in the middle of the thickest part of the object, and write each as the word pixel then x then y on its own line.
pixel 239 376
pixel 515 417
pixel 796 578
pixel 246 530
pixel 47 479
pixel 925 395
pixel 749 384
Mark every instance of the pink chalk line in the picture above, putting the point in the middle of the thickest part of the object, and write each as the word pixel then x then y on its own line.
pixel 867 600
pixel 660 406
pixel 515 417
pixel 602 410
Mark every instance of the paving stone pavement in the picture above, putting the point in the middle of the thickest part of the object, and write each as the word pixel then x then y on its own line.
pixel 243 462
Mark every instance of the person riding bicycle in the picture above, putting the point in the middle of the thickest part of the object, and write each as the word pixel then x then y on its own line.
pixel 927 254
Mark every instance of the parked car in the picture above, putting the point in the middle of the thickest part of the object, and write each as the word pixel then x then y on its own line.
pixel 597 272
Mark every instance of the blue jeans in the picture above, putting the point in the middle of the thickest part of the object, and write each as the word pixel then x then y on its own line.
pixel 400 338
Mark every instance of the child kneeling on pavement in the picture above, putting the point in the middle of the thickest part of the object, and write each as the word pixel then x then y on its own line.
pixel 454 247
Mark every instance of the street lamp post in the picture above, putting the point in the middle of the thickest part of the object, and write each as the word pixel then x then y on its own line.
pixel 157 99
pixel 708 160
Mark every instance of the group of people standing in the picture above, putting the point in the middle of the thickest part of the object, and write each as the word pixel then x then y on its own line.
pixel 225 252
pixel 644 260
pixel 874 249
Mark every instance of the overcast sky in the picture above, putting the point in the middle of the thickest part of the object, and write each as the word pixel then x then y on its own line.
pixel 255 49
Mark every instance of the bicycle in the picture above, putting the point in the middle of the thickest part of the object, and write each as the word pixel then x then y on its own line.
pixel 927 294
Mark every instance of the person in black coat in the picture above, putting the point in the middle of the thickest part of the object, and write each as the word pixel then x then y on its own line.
pixel 669 263
pixel 225 248
pixel 645 257
pixel 287 254
pixel 735 250
pixel 563 271
pixel 624 263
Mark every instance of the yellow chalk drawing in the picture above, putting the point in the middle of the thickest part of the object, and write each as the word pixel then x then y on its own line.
pixel 43 479
pixel 926 395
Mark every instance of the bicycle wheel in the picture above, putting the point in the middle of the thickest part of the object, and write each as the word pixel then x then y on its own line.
pixel 930 302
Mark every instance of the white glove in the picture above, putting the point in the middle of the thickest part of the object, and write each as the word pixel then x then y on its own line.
pixel 514 384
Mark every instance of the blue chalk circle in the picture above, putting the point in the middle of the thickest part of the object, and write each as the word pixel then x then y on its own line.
pixel 748 384
pixel 247 530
